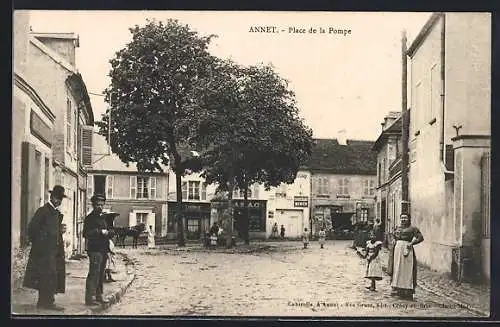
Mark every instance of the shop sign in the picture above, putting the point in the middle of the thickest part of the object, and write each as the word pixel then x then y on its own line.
pixel 251 204
pixel 301 201
pixel 40 129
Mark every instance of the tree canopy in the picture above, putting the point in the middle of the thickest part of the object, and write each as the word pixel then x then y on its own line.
pixel 154 81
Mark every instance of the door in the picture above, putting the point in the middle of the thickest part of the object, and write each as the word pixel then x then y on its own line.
pixel 193 229
pixel 292 220
pixel 294 228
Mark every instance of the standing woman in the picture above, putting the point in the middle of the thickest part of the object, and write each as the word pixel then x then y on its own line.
pixel 151 238
pixel 404 263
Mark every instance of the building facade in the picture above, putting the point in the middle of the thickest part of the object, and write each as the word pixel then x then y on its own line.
pixel 388 147
pixel 202 208
pixel 289 205
pixel 343 180
pixel 196 196
pixel 138 197
pixel 53 74
pixel 449 138
pixel 32 138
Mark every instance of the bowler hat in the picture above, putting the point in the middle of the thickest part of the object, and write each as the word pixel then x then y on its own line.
pixel 58 192
pixel 97 197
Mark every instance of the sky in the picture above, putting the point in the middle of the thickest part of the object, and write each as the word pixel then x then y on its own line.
pixel 341 81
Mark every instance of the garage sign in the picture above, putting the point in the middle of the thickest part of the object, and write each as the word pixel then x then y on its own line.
pixel 301 201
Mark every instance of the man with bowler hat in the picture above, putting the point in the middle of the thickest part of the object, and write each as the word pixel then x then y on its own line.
pixel 46 270
pixel 95 230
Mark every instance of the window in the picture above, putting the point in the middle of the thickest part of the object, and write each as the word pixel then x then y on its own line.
pixel 256 191
pixel 100 184
pixel 281 191
pixel 237 193
pixel 379 174
pixel 343 186
pixel 368 187
pixel 194 190
pixel 384 170
pixel 141 218
pixel 435 98
pixel 69 129
pixel 142 188
pixel 323 185
pixel 364 214
pixel 109 186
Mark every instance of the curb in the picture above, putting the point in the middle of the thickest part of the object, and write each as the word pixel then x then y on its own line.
pixel 115 298
pixel 457 302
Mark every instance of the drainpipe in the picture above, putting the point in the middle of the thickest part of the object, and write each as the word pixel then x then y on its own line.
pixel 442 153
pixel 404 128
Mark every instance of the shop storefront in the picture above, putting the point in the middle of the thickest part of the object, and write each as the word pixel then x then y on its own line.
pixel 256 217
pixel 197 219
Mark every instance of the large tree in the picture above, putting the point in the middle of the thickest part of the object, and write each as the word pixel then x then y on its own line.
pixel 155 79
pixel 254 133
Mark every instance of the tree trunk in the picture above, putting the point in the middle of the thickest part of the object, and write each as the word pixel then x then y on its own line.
pixel 246 221
pixel 230 210
pixel 180 212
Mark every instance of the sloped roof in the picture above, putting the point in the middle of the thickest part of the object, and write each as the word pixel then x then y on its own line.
pixel 393 129
pixel 354 158
pixel 104 161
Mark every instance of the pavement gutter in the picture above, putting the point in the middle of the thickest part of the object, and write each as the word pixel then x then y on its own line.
pixel 117 295
pixel 437 293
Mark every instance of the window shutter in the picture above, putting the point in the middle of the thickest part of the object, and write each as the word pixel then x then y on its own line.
pixel 184 190
pixel 86 146
pixel 68 123
pixel 90 185
pixel 152 187
pixel 77 141
pixel 203 191
pixel 109 186
pixel 133 186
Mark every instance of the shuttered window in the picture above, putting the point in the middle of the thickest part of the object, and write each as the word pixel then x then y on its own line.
pixel 86 148
pixel 69 129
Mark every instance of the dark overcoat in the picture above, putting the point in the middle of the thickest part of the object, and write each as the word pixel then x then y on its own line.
pixel 46 263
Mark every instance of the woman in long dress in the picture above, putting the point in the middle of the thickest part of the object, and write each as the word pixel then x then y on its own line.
pixel 322 237
pixel 151 238
pixel 404 261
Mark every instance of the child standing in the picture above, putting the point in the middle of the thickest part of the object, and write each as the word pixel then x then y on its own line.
pixel 322 236
pixel 373 266
pixel 305 238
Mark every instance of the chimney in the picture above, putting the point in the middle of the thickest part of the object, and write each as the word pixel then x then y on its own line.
pixel 341 138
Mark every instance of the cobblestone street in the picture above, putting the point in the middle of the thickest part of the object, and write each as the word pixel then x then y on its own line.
pixel 284 280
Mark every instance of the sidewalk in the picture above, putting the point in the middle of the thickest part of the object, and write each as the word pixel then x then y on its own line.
pixel 23 301
pixel 474 297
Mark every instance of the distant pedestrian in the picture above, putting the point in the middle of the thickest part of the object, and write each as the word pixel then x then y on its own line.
pixel 282 232
pixel 110 263
pixel 46 268
pixel 274 233
pixel 97 233
pixel 214 229
pixel 322 236
pixel 373 264
pixel 403 266
pixel 305 238
pixel 151 238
